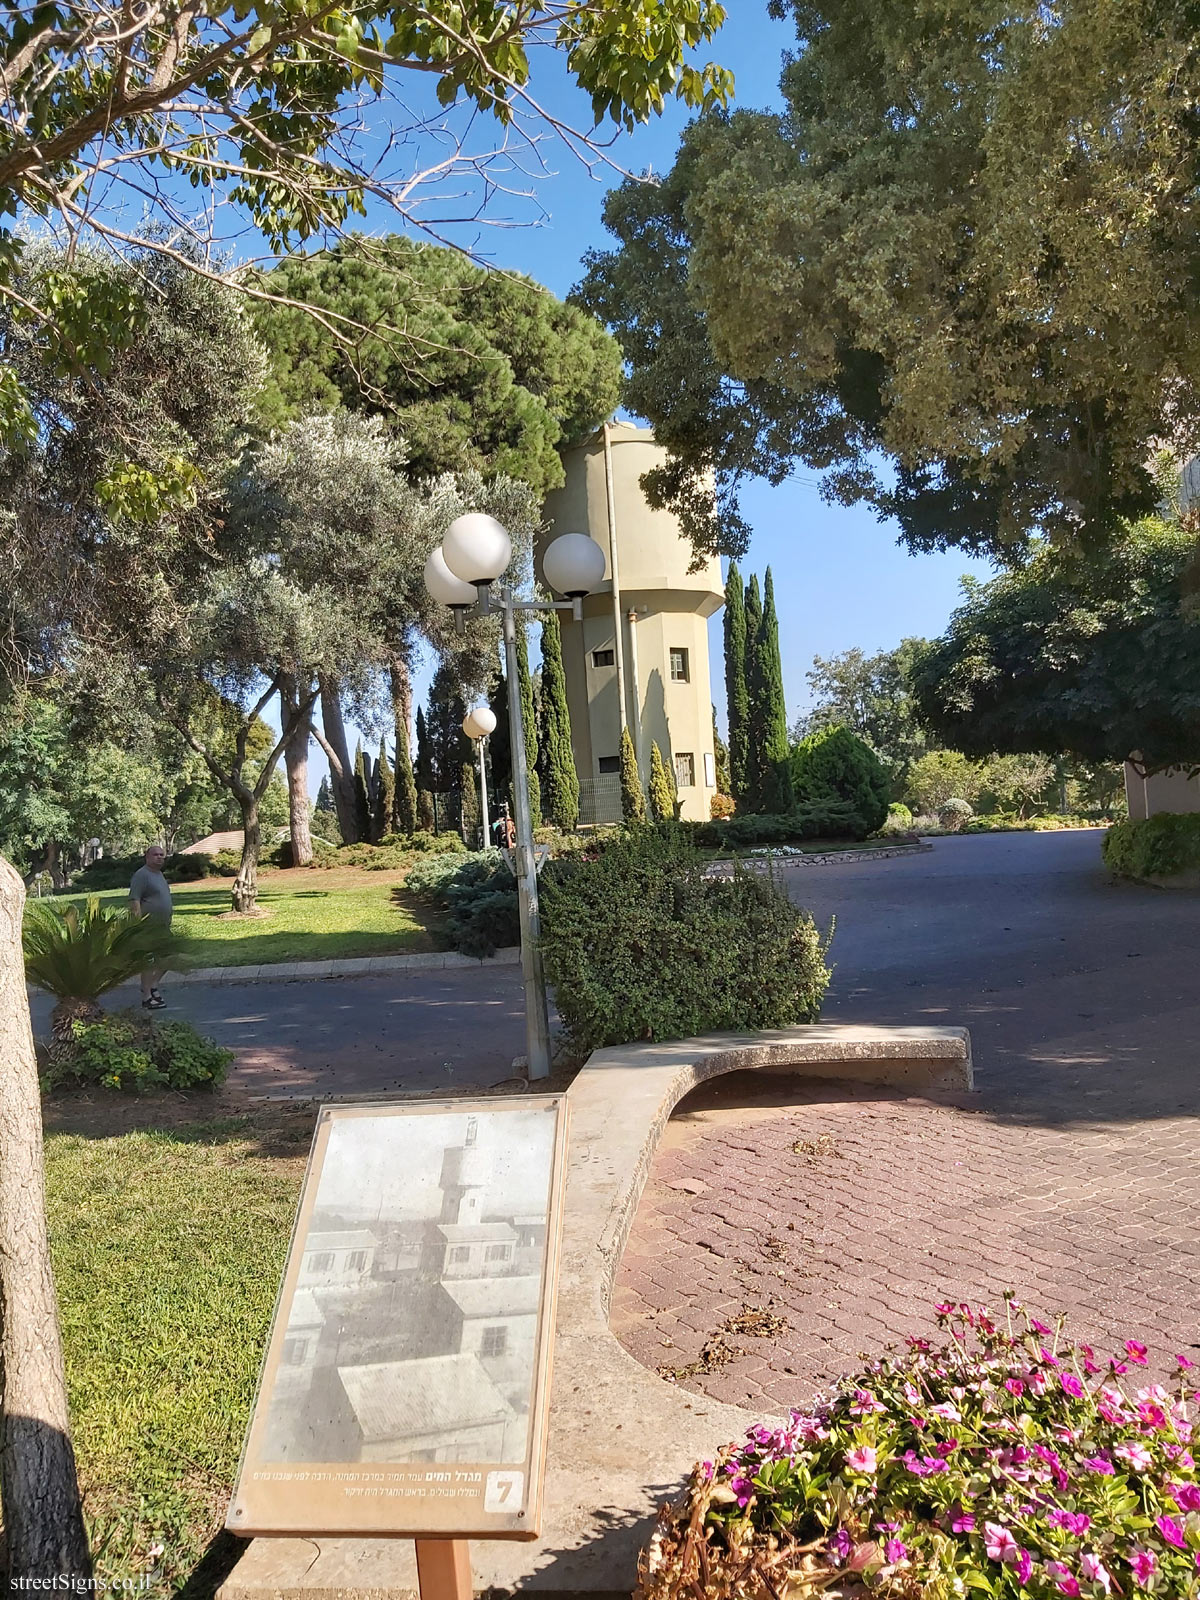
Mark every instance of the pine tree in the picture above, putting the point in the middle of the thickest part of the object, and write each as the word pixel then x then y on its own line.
pixel 562 780
pixel 772 791
pixel 404 797
pixel 633 796
pixel 362 793
pixel 736 694
pixel 324 800
pixel 385 796
pixel 662 796
pixel 721 759
pixel 525 683
pixel 423 775
pixel 500 742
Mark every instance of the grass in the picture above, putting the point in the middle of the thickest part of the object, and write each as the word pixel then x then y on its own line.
pixel 168 1249
pixel 313 917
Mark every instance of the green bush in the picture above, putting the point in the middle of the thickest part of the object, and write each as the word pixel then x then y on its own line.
pixel 640 944
pixel 423 843
pixel 835 765
pixel 954 814
pixel 829 819
pixel 114 872
pixel 130 1051
pixel 226 864
pixel 476 896
pixel 1162 846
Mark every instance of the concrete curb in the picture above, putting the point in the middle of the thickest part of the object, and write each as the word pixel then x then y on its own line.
pixel 621 1438
pixel 350 967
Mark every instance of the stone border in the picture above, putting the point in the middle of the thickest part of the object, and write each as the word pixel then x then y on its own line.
pixel 822 858
pixel 621 1439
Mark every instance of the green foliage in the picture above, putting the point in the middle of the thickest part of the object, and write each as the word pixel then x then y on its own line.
pixel 506 372
pixel 1166 845
pixel 721 760
pixel 476 896
pixel 954 814
pixel 1098 656
pixel 662 794
pixel 1016 782
pixel 766 297
pixel 873 697
pixel 529 724
pixel 942 775
pixel 835 764
pixel 81 952
pixel 362 793
pixel 131 1051
pixel 385 797
pixel 633 796
pixel 737 701
pixel 821 819
pixel 769 782
pixel 640 944
pixel 561 795
pixel 115 872
pixel 404 803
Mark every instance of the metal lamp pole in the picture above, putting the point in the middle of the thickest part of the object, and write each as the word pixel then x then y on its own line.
pixel 475 552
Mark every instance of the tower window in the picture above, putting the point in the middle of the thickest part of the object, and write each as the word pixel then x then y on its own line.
pixel 609 764
pixel 603 658
pixel 494 1343
pixel 679 667
pixel 685 770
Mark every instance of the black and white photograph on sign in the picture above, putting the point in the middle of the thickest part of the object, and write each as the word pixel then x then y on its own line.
pixel 412 1334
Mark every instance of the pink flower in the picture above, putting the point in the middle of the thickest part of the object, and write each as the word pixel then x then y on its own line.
pixel 912 1394
pixel 1099 1464
pixel 1183 1363
pixel 1137 1352
pixel 999 1543
pixel 1024 1566
pixel 951 1413
pixel 1065 1580
pixel 1095 1571
pixel 1073 1521
pixel 1071 1385
pixel 1014 1386
pixel 1135 1455
pixel 861 1459
pixel 895 1550
pixel 1172 1531
pixel 962 1522
pixel 1143 1563
pixel 1039 1327
pixel 840 1546
pixel 1185 1495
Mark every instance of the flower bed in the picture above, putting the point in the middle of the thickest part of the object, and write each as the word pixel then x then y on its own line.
pixel 1005 1462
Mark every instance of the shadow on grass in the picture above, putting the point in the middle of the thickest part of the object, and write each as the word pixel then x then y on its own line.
pixel 282 1131
pixel 215 1565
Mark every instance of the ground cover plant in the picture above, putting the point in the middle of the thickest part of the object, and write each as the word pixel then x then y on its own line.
pixel 131 1050
pixel 167 1249
pixel 1005 1462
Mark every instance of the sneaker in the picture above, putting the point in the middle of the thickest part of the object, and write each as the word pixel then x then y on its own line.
pixel 155 1002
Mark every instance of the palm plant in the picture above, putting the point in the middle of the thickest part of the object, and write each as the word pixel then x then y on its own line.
pixel 79 954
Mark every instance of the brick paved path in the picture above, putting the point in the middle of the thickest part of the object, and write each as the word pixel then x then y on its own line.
pixel 1072 1176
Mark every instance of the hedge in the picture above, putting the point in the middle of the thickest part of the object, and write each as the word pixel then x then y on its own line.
pixel 1166 845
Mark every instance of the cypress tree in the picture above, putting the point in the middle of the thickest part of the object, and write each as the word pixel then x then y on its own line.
pixel 404 797
pixel 423 775
pixel 362 793
pixel 385 796
pixel 470 815
pixel 499 744
pixel 633 796
pixel 562 780
pixel 736 694
pixel 720 759
pixel 768 714
pixel 752 770
pixel 528 717
pixel 662 797
pixel 324 795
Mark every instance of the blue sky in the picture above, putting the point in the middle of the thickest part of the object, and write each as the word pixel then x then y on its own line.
pixel 840 577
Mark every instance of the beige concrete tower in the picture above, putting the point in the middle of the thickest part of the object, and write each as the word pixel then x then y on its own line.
pixel 639 658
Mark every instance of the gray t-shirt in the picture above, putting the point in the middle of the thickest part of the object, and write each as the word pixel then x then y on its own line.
pixel 153 893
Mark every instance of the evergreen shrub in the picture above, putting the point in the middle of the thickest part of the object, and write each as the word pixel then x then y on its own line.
pixel 1166 845
pixel 641 944
pixel 130 1051
pixel 835 764
pixel 475 898
pixel 830 819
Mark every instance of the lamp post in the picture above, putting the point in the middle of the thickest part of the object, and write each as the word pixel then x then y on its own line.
pixel 477 725
pixel 474 554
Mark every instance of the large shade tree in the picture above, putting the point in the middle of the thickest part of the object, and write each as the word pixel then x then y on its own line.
pixel 506 373
pixel 1098 657
pixel 956 272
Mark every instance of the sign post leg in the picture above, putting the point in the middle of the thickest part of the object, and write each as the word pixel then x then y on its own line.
pixel 444 1569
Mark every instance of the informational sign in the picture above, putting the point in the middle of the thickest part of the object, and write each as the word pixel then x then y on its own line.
pixel 407 1375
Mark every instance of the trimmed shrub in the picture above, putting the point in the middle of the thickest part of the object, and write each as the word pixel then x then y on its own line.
pixel 830 819
pixel 835 765
pixel 130 1051
pixel 1166 845
pixel 1006 1463
pixel 954 814
pixel 899 819
pixel 640 944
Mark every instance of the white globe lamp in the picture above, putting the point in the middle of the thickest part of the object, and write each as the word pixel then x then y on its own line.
pixel 480 723
pixel 477 548
pixel 574 565
pixel 443 585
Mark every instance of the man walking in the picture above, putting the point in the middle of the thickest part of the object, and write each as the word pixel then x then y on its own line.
pixel 150 896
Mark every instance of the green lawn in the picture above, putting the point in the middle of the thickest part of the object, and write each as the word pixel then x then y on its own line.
pixel 168 1248
pixel 314 916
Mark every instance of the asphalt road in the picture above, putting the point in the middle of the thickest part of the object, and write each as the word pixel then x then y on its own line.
pixel 1065 979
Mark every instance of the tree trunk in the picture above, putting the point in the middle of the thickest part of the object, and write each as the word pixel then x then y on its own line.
pixel 62 1025
pixel 245 885
pixel 295 758
pixel 43 1518
pixel 404 793
pixel 341 782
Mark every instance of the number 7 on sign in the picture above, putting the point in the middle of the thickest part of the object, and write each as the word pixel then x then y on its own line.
pixel 503 1491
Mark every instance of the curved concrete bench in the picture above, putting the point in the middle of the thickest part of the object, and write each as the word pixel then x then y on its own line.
pixel 621 1439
